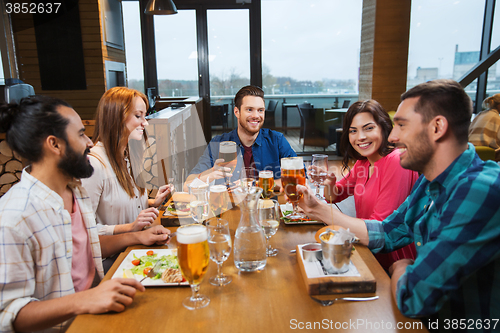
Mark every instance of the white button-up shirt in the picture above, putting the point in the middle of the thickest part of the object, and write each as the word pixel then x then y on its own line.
pixel 36 247
pixel 111 204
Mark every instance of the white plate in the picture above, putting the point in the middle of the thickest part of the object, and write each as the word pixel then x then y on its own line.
pixel 127 264
pixel 288 207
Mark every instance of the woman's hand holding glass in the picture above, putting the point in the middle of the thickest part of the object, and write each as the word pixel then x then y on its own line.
pixel 269 221
pixel 219 242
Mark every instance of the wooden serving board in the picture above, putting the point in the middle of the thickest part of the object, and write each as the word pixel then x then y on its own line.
pixel 338 284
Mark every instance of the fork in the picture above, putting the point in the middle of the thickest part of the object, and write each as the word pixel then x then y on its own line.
pixel 355 299
pixel 152 273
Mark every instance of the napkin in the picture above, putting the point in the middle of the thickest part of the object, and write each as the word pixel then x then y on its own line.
pixel 197 183
pixel 341 236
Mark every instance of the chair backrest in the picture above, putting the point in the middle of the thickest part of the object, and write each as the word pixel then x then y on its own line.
pixel 302 107
pixel 271 107
pixel 346 103
pixel 485 153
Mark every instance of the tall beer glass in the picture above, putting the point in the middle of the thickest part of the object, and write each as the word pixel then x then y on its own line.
pixel 219 199
pixel 293 174
pixel 228 151
pixel 266 183
pixel 193 255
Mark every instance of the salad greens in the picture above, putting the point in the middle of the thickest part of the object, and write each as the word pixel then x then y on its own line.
pixel 168 261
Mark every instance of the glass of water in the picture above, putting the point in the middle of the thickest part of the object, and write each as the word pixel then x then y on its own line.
pixel 219 242
pixel 199 203
pixel 269 221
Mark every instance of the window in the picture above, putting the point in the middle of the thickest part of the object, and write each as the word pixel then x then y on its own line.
pixel 229 51
pixel 176 54
pixel 133 44
pixel 311 47
pixel 444 48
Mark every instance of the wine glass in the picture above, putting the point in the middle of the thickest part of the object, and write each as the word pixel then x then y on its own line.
pixel 319 170
pixel 219 242
pixel 248 177
pixel 228 152
pixel 199 203
pixel 268 219
pixel 266 183
pixel 293 174
pixel 219 199
pixel 193 255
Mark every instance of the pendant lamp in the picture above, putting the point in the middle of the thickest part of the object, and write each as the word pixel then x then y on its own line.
pixel 160 7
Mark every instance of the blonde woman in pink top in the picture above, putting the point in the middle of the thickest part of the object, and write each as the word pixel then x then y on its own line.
pixel 377 181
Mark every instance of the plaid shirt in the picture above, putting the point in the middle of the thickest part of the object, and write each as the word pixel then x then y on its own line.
pixel 36 247
pixel 455 223
pixel 485 130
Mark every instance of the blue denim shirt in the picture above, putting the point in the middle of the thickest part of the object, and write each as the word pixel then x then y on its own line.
pixel 268 149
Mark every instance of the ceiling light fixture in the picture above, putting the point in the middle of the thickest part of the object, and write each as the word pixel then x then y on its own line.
pixel 160 7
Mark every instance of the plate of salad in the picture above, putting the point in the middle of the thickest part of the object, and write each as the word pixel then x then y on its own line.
pixel 138 263
pixel 287 209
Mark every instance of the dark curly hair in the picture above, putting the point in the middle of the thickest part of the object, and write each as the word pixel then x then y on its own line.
pixel 380 116
pixel 30 122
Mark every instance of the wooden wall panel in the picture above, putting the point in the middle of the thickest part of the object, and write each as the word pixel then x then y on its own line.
pixel 384 51
pixel 95 53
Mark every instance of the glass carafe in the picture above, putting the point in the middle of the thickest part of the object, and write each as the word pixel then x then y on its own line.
pixel 249 240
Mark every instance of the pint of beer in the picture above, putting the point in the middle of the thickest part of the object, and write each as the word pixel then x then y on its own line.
pixel 193 252
pixel 228 152
pixel 292 174
pixel 219 199
pixel 266 183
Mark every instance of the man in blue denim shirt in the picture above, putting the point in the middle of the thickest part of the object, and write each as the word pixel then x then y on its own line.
pixel 259 147
pixel 452 215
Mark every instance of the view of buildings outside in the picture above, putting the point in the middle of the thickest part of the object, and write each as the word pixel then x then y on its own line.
pixel 301 54
pixel 442 48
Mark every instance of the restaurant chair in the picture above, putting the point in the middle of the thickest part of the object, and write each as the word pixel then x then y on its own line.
pixel 219 115
pixel 315 129
pixel 391 115
pixel 303 106
pixel 270 120
pixel 346 103
pixel 485 153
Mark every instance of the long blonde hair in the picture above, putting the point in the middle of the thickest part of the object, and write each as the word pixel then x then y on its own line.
pixel 113 110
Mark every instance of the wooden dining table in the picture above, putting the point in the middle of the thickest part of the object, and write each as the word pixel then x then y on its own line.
pixel 272 300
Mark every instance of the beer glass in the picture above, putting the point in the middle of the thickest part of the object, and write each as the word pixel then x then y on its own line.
pixel 293 174
pixel 199 203
pixel 319 170
pixel 228 151
pixel 193 255
pixel 219 242
pixel 219 199
pixel 268 219
pixel 266 183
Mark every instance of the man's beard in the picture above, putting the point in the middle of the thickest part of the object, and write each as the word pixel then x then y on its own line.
pixel 249 130
pixel 74 165
pixel 419 155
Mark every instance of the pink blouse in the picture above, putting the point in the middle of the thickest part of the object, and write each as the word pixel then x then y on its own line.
pixel 377 197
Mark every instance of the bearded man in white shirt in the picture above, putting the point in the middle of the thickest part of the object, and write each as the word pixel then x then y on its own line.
pixel 51 252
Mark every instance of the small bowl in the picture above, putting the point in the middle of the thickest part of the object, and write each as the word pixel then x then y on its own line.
pixel 312 252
